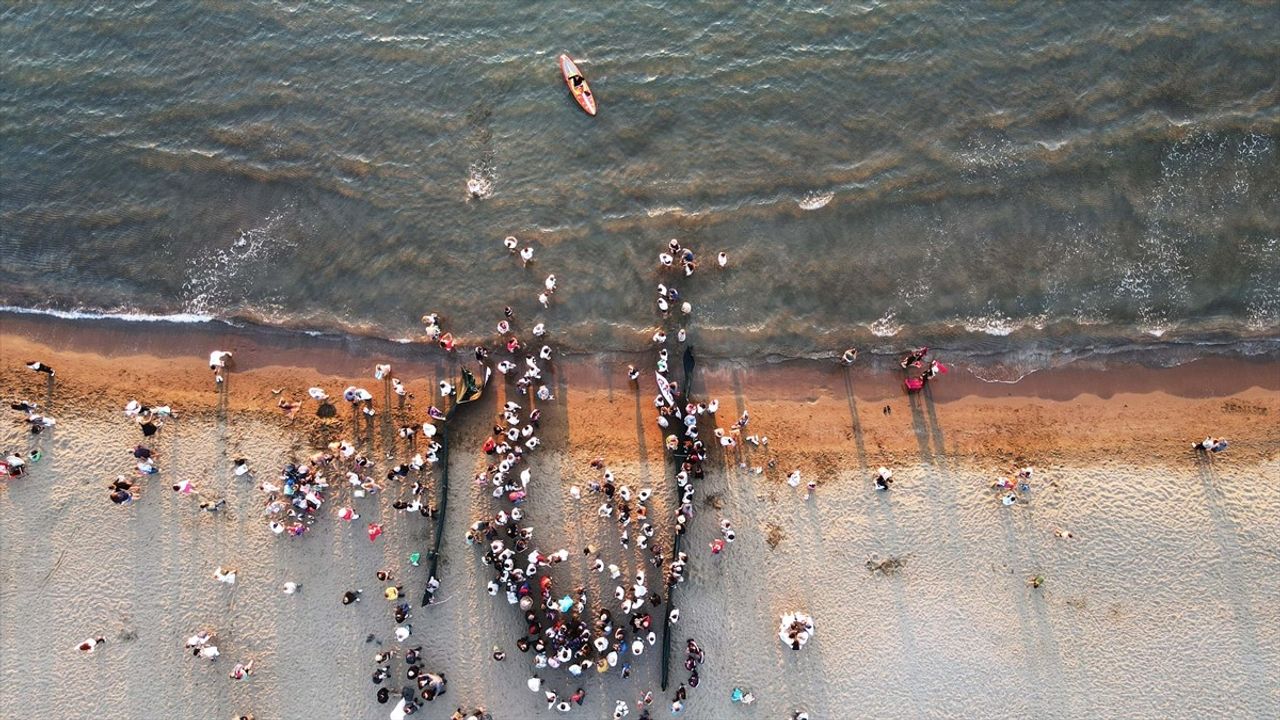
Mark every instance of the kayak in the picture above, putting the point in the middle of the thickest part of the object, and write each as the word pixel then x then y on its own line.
pixel 581 90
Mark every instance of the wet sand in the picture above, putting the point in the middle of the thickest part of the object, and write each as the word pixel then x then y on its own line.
pixel 1161 606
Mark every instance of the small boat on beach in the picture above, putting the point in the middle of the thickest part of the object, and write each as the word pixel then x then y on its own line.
pixel 577 85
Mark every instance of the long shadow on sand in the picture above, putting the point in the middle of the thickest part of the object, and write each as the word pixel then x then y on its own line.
pixel 855 422
pixel 1227 537
pixel 1042 658
pixel 934 464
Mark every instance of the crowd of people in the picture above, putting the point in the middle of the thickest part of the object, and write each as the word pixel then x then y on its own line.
pixel 1011 490
pixel 918 372
pixel 565 629
pixel 568 632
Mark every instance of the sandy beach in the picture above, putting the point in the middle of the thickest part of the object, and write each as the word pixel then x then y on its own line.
pixel 1160 605
pixel 697 251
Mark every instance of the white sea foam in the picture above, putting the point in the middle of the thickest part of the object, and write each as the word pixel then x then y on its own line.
pixel 480 182
pixel 110 315
pixel 664 210
pixel 219 278
pixel 814 199
pixel 886 326
pixel 986 375
pixel 996 324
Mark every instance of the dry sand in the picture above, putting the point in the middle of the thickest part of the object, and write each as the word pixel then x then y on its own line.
pixel 1164 604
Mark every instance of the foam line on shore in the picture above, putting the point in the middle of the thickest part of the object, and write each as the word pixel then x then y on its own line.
pixel 178 318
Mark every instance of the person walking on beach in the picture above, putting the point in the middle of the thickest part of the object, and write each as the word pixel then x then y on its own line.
pixel 121 491
pixel 40 367
pixel 241 671
pixel 217 362
pixel 914 357
pixel 88 646
pixel 1210 444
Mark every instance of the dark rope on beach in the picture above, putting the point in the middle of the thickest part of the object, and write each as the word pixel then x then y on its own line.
pixel 443 504
pixel 441 508
pixel 678 456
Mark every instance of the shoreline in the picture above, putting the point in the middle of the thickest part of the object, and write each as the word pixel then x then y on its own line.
pixel 1009 355
pixel 1081 411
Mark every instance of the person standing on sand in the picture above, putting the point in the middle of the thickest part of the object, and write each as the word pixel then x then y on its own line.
pixel 120 491
pixel 1210 444
pixel 288 407
pixel 88 646
pixel 913 358
pixel 40 367
pixel 217 362
pixel 241 671
pixel 884 478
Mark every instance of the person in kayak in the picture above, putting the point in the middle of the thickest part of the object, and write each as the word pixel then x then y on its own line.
pixel 579 85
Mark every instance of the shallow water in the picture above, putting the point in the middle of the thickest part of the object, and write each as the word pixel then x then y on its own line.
pixel 988 176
